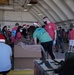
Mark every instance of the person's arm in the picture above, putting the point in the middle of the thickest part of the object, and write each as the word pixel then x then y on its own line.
pixel 55 34
pixel 35 40
pixel 55 30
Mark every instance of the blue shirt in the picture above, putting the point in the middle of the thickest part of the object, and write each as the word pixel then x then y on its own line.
pixel 5 54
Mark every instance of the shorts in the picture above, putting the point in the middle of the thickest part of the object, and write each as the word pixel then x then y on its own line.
pixel 71 42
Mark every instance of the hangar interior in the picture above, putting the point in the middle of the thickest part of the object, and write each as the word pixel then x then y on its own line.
pixel 60 12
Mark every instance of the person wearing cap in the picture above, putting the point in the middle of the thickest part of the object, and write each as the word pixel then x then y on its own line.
pixel 5 56
pixel 24 26
pixel 36 24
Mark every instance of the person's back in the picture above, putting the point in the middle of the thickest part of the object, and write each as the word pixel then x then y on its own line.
pixel 5 53
pixel 45 40
pixel 5 56
pixel 42 35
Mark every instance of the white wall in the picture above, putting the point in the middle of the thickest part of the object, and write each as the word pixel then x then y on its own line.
pixel 1 17
pixel 9 18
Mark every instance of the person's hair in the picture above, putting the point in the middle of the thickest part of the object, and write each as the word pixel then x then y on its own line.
pixel 16 24
pixel 68 67
pixel 31 29
pixel 70 29
pixel 45 17
pixel 63 29
pixel 4 28
pixel 24 33
pixel 43 26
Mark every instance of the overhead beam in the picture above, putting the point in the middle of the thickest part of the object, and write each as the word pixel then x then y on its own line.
pixel 64 8
pixel 51 18
pixel 4 2
pixel 33 1
pixel 56 9
pixel 34 14
pixel 49 11
pixel 70 4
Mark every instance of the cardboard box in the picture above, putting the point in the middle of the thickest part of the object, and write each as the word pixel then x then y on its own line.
pixel 24 56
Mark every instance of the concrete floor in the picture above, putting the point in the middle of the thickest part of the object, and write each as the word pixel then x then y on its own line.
pixel 59 54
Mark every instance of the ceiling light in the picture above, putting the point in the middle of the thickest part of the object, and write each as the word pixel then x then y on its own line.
pixel 40 14
pixel 25 10
pixel 29 4
pixel 33 1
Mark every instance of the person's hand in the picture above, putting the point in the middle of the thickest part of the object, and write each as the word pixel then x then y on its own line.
pixel 54 42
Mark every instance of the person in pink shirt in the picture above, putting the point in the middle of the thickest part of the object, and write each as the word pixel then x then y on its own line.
pixel 18 33
pixel 50 27
pixel 13 33
pixel 71 39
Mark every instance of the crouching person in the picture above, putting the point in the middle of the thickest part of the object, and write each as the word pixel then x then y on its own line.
pixel 5 56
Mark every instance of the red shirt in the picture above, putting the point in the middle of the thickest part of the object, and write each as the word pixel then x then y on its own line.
pixel 13 37
pixel 18 36
pixel 71 35
pixel 50 28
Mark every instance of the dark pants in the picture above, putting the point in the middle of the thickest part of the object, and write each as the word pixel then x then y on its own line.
pixel 4 72
pixel 12 46
pixel 48 47
pixel 60 43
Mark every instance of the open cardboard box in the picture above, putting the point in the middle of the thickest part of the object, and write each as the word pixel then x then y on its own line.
pixel 24 56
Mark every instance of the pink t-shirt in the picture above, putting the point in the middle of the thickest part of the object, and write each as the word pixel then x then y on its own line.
pixel 50 28
pixel 15 28
pixel 71 35
pixel 13 37
pixel 18 36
